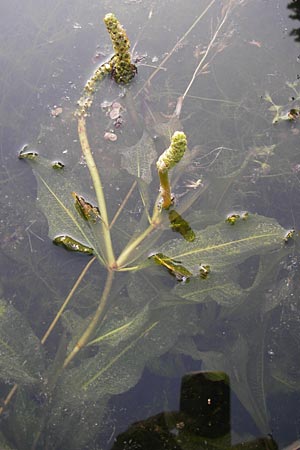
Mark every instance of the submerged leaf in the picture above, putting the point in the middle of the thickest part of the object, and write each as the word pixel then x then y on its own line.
pixel 137 160
pixel 222 247
pixel 221 288
pixel 181 226
pixel 55 190
pixel 21 353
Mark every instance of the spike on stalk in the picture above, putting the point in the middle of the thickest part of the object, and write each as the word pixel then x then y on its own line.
pixel 170 157
pixel 119 66
pixel 123 70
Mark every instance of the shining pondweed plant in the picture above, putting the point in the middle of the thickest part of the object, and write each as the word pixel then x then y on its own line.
pixel 109 348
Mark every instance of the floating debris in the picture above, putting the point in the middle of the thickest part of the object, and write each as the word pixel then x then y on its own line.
pixel 109 136
pixel 233 218
pixel 289 235
pixel 56 111
pixel 114 114
pixel 204 270
pixel 77 26
pixel 105 104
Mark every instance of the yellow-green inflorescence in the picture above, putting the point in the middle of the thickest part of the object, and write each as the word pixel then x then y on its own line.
pixel 122 68
pixel 166 161
pixel 119 66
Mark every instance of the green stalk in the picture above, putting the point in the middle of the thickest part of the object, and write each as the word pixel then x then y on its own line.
pixel 95 320
pixel 170 157
pixel 67 300
pixel 165 189
pixel 86 150
pixel 155 221
pixel 123 258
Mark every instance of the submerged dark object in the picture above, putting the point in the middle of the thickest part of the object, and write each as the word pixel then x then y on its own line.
pixel 181 226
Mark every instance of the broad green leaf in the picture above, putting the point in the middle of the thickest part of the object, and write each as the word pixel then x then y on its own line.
pixel 224 246
pixel 121 330
pixel 55 199
pixel 125 350
pixel 138 159
pixel 26 417
pixel 222 288
pixel 21 353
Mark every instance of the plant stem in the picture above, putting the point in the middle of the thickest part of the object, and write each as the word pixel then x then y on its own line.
pixel 52 325
pixel 95 320
pixel 176 46
pixel 123 258
pixel 8 397
pixel 86 150
pixel 123 203
pixel 205 55
pixel 70 295
pixel 165 189
pixel 155 221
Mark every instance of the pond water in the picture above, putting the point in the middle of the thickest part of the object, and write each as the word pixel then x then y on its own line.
pixel 181 329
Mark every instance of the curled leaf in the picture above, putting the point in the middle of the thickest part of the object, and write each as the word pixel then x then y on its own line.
pixel 86 209
pixel 24 153
pixel 58 165
pixel 175 268
pixel 72 245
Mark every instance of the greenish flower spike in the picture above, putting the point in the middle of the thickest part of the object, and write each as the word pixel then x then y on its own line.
pixel 122 68
pixel 119 66
pixel 166 161
pixel 174 153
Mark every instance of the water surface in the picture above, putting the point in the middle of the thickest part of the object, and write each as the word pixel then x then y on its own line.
pixel 236 64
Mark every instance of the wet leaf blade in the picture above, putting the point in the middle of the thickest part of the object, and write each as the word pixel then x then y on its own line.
pixel 21 353
pixel 138 159
pixel 223 246
pixel 55 200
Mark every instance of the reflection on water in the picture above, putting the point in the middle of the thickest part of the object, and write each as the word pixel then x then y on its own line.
pixel 226 73
pixel 203 420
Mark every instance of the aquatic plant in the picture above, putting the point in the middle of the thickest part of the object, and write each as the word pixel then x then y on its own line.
pixel 106 341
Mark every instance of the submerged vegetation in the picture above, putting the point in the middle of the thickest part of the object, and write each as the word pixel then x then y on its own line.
pixel 181 261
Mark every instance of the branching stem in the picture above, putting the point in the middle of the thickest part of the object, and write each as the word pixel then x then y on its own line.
pixel 176 46
pixel 64 305
pixel 95 320
pixel 86 150
pixel 205 55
